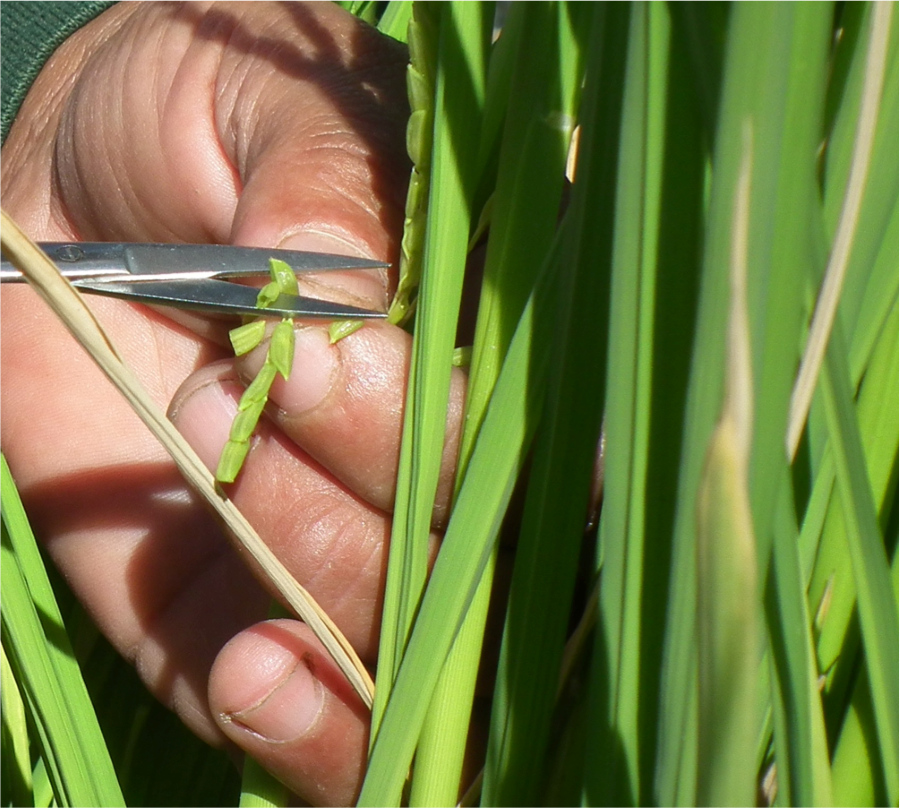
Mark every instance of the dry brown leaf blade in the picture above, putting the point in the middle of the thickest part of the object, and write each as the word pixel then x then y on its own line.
pixel 66 302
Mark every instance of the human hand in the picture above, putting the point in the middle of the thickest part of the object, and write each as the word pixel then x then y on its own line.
pixel 259 124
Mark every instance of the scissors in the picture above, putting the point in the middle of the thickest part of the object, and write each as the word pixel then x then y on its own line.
pixel 194 276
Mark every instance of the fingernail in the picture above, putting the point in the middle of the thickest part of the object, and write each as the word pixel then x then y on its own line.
pixel 204 418
pixel 282 701
pixel 312 374
pixel 324 242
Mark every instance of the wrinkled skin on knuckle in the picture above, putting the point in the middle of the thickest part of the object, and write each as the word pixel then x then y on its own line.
pixel 208 91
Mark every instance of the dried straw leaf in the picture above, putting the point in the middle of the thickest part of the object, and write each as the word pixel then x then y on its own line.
pixel 827 304
pixel 67 303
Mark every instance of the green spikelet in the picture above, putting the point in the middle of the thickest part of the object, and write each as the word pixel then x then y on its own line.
pixel 422 36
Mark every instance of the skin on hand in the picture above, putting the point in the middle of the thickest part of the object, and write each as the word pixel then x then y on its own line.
pixel 264 124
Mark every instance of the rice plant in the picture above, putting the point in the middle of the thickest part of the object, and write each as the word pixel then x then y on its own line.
pixel 689 214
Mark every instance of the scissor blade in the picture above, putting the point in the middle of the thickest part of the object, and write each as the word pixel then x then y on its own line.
pixel 222 297
pixel 100 261
pixel 223 261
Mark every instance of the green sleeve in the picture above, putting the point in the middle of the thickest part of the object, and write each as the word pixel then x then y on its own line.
pixel 29 33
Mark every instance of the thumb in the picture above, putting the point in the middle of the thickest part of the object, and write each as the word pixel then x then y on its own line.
pixel 323 164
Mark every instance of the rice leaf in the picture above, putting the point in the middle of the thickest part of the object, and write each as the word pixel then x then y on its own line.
pixel 364 9
pixel 461 43
pixel 41 658
pixel 395 19
pixel 259 789
pixel 560 478
pixel 858 775
pixel 774 78
pixel 875 598
pixel 535 143
pixel 880 294
pixel 728 632
pixel 16 747
pixel 801 747
pixel 43 788
pixel 523 212
pixel 659 209
pixel 533 153
pixel 701 29
pixel 833 570
pixel 468 544
pixel 407 559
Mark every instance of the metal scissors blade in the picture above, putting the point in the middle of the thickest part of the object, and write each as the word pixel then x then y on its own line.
pixel 193 276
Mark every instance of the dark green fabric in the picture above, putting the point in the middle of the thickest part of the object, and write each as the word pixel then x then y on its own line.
pixel 29 33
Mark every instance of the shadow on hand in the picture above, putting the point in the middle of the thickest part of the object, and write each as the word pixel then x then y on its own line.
pixel 361 71
pixel 188 590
